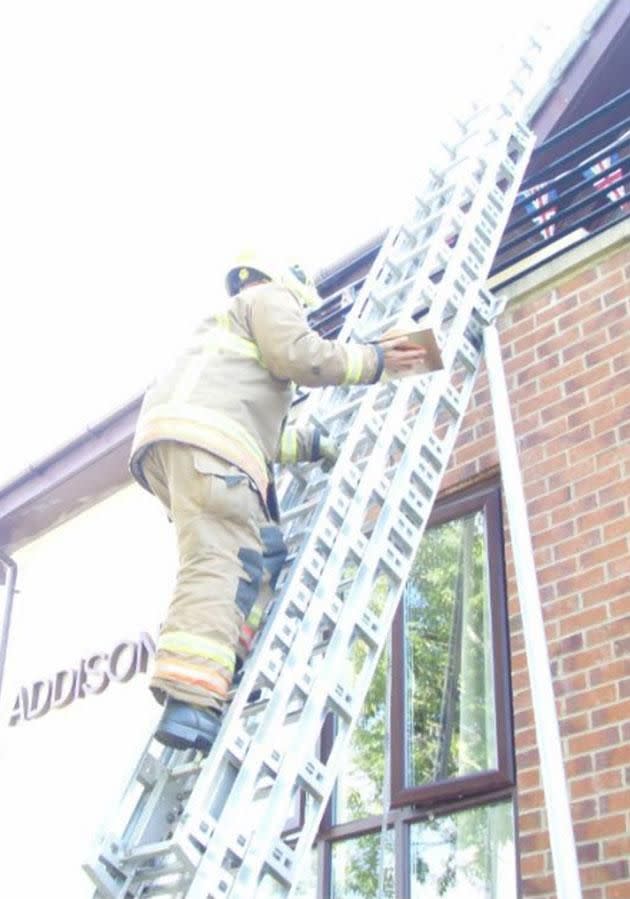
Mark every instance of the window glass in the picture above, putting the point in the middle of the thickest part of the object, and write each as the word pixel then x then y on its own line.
pixel 359 791
pixel 356 866
pixel 305 888
pixel 467 855
pixel 449 678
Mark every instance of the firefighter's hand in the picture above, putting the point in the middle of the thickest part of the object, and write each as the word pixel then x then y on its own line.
pixel 402 356
pixel 328 451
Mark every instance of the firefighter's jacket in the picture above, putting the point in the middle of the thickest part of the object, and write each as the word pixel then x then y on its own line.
pixel 229 393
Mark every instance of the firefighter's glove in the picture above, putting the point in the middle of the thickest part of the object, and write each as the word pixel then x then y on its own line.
pixel 328 451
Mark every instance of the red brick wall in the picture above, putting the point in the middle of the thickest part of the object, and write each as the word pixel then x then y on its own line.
pixel 567 356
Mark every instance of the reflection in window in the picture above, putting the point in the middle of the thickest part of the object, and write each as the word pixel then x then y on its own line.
pixel 359 791
pixel 305 888
pixel 355 867
pixel 448 666
pixel 468 855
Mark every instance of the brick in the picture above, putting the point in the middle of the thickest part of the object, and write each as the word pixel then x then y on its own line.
pixel 577 345
pixel 570 683
pixel 620 711
pixel 534 842
pixel 577 282
pixel 580 314
pixel 568 510
pixel 598 481
pixel 618 567
pixel 595 784
pixel 539 886
pixel 612 456
pixel 594 656
pixel 518 363
pixel 516 314
pixel 612 758
pixel 601 515
pixel 572 473
pixel 539 401
pixel 579 544
pixel 591 412
pixel 535 337
pixel 528 780
pixel 576 583
pixel 570 439
pixel 562 568
pixel 593 740
pixel 531 372
pixel 604 873
pixel 525 738
pixel 605 693
pixel 584 618
pixel 613 802
pixel 600 286
pixel 587 378
pixel 616 329
pixel 557 608
pixel 606 350
pixel 532 864
pixel 561 374
pixel 609 630
pixel 531 799
pixel 610 421
pixel 618 294
pixel 527 758
pixel 529 822
pixel 614 313
pixel 550 501
pixel 612 825
pixel 614 383
pixel 574 724
pixel 604 553
pixel 617 846
pixel 568 644
pixel 592 893
pixel 618 891
pixel 581 764
pixel 588 852
pixel 616 261
pixel 612 672
pixel 556 307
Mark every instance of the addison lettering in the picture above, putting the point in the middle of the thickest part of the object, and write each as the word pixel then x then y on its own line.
pixel 93 675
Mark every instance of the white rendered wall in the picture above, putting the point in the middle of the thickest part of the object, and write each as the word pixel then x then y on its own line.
pixel 102 578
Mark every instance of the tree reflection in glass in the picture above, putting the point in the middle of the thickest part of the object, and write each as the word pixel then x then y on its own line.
pixel 355 867
pixel 448 647
pixel 468 855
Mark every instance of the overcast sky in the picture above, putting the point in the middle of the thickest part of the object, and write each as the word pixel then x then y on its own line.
pixel 143 143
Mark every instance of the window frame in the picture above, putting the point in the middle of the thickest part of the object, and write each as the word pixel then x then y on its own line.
pixel 485 497
pixel 411 804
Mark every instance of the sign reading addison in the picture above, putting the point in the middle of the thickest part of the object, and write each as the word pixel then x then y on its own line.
pixel 92 675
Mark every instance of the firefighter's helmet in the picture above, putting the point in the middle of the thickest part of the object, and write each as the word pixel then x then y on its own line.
pixel 249 269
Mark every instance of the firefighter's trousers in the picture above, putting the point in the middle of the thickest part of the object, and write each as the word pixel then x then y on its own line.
pixel 229 559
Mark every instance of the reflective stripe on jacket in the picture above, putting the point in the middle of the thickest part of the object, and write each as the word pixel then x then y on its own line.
pixel 230 391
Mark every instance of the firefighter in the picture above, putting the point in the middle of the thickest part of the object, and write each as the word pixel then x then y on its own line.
pixel 206 439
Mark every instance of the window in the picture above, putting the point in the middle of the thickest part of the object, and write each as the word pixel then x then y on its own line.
pixel 445 756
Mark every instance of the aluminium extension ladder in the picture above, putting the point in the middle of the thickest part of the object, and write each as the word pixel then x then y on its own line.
pixel 216 827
